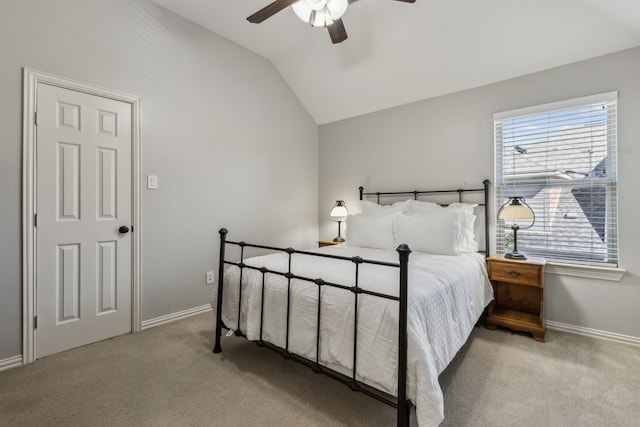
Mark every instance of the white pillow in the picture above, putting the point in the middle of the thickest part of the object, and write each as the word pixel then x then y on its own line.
pixel 370 231
pixel 371 208
pixel 435 232
pixel 421 206
pixel 468 241
pixel 467 230
pixel 466 207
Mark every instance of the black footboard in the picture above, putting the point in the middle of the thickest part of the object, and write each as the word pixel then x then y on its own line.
pixel 401 402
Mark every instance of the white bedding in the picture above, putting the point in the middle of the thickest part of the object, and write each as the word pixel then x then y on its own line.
pixel 447 294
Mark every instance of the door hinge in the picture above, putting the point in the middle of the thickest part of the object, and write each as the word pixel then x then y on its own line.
pixel 35 118
pixel 35 322
pixel 35 220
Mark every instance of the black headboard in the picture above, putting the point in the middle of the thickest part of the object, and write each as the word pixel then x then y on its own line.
pixel 461 192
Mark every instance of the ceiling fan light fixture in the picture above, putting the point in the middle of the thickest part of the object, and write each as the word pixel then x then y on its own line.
pixel 316 4
pixel 337 8
pixel 320 13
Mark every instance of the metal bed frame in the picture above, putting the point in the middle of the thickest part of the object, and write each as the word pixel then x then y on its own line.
pixel 401 403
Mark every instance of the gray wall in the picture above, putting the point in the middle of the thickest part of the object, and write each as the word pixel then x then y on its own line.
pixel 448 142
pixel 209 109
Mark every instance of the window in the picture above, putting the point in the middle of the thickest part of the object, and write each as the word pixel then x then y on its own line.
pixel 561 158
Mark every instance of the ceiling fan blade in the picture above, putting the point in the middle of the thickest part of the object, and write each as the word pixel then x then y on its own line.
pixel 407 1
pixel 269 10
pixel 337 32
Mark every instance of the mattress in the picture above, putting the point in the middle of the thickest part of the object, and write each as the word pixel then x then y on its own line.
pixel 446 296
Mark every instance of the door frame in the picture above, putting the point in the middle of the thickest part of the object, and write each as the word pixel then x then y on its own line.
pixel 31 79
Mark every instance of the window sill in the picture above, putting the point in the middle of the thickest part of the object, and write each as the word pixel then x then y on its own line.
pixel 591 272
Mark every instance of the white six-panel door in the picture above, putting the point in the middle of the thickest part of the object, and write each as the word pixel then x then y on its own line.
pixel 83 196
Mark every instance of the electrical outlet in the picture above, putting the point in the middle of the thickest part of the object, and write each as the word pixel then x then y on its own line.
pixel 209 277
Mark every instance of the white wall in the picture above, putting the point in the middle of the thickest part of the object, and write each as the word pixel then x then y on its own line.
pixel 447 142
pixel 231 144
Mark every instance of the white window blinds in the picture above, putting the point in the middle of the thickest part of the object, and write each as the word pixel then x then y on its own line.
pixel 561 158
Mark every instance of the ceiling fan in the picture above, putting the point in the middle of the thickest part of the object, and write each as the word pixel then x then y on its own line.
pixel 318 13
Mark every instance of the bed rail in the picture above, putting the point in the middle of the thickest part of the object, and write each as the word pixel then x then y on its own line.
pixel 401 403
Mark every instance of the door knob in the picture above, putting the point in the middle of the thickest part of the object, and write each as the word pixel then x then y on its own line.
pixel 123 229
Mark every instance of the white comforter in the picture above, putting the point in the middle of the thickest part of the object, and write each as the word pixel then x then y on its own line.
pixel 446 296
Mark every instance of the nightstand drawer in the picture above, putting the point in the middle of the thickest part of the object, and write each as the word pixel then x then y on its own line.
pixel 524 274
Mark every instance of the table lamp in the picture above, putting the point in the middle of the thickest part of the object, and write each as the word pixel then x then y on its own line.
pixel 516 211
pixel 339 213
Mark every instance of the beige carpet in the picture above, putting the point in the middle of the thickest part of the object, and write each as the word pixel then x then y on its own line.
pixel 167 376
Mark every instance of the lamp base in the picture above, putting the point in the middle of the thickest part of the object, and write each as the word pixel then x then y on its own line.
pixel 339 239
pixel 515 255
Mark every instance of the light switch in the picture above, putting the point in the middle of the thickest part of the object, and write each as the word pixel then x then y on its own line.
pixel 152 182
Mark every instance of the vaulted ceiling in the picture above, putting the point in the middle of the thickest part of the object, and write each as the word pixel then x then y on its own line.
pixel 399 52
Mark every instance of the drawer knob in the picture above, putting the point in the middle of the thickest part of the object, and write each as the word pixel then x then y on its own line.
pixel 513 273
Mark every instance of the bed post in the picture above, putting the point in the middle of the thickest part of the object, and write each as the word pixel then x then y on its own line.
pixel 487 242
pixel 403 403
pixel 223 238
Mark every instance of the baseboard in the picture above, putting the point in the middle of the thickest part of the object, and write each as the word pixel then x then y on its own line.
pixel 151 323
pixel 15 361
pixel 12 362
pixel 593 333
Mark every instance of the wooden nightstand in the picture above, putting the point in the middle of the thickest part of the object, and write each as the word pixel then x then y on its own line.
pixel 518 288
pixel 322 243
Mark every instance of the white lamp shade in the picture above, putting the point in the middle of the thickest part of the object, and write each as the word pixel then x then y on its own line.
pixel 337 8
pixel 314 4
pixel 339 211
pixel 320 13
pixel 516 212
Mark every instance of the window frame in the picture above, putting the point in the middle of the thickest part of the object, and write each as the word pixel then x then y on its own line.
pixel 603 270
